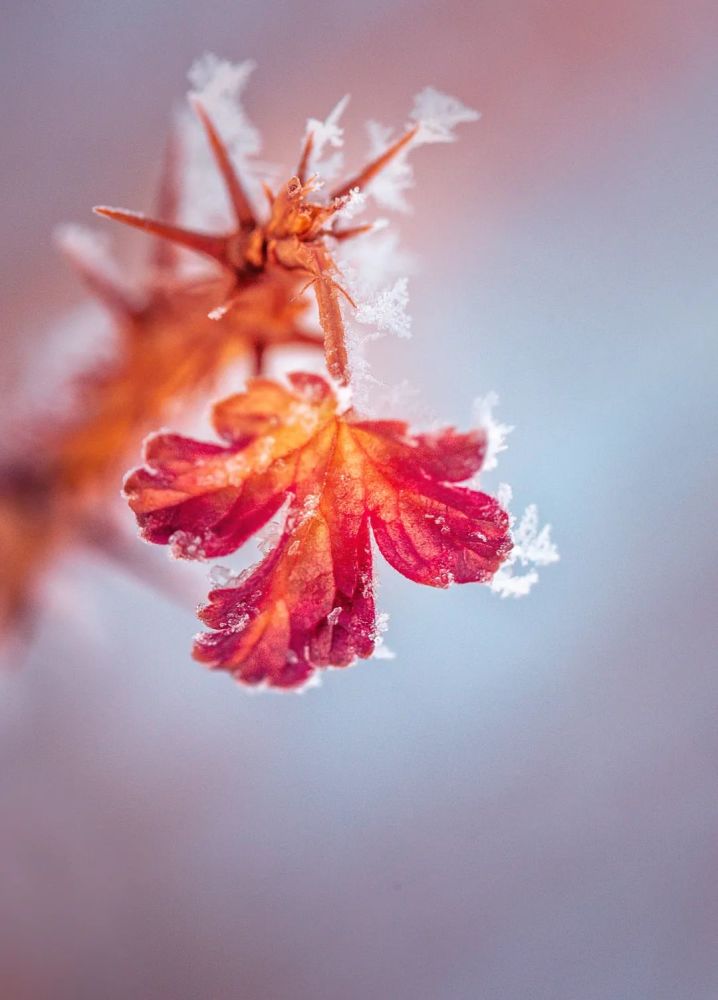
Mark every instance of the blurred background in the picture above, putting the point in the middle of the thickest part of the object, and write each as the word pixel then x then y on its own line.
pixel 522 804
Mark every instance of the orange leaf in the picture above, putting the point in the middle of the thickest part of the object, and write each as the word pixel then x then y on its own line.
pixel 310 602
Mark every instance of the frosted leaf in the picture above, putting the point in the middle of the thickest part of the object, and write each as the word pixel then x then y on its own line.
pixel 438 115
pixel 297 518
pixel 382 624
pixel 327 133
pixel 333 616
pixel 387 311
pixel 496 432
pixel 218 85
pixel 268 537
pixel 237 621
pixel 532 547
pixel 185 545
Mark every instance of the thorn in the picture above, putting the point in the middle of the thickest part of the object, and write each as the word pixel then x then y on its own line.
pixel 304 159
pixel 240 203
pixel 348 234
pixel 268 193
pixel 205 243
pixel 377 165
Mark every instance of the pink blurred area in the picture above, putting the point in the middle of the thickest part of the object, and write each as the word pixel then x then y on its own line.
pixel 523 803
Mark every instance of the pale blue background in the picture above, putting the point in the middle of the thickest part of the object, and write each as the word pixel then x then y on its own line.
pixel 524 803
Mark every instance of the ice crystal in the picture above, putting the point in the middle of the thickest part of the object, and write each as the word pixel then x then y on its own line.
pixel 532 547
pixel 327 133
pixel 438 114
pixel 387 311
pixel 496 432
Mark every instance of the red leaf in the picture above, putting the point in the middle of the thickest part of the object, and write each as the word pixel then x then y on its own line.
pixel 310 602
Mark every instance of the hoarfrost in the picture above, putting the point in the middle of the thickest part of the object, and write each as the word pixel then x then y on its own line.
pixel 221 576
pixel 351 204
pixel 373 259
pixel 327 133
pixel 218 84
pixel 388 187
pixel 496 432
pixel 185 545
pixel 532 547
pixel 381 650
pixel 268 537
pixel 387 311
pixel 333 616
pixel 438 115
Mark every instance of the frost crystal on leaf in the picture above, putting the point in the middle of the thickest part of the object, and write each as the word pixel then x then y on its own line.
pixel 532 547
pixel 346 479
pixel 496 433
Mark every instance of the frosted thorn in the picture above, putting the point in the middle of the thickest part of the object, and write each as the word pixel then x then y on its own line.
pixel 240 203
pixel 348 234
pixel 377 165
pixel 204 243
pixel 304 159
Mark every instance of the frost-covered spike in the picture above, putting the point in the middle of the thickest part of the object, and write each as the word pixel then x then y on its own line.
pixel 351 232
pixel 438 115
pixel 432 119
pixel 386 154
pixel 532 547
pixel 218 85
pixel 204 243
pixel 387 311
pixel 240 203
pixel 388 184
pixel 319 135
pixel 496 432
pixel 89 252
